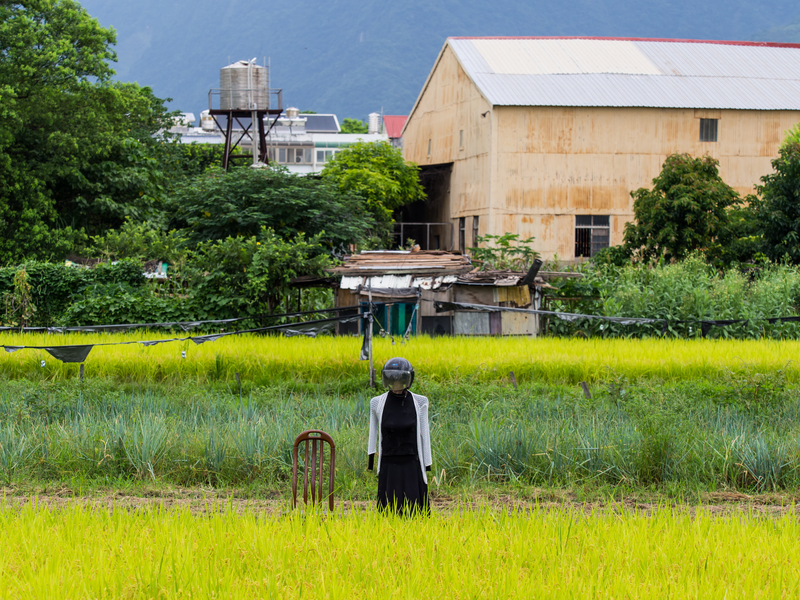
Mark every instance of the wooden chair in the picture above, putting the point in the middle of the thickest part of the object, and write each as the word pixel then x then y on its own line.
pixel 317 439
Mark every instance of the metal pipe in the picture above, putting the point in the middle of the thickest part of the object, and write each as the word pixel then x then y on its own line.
pixel 369 333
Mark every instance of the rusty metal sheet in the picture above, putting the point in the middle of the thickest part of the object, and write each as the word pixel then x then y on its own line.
pixel 519 324
pixel 474 294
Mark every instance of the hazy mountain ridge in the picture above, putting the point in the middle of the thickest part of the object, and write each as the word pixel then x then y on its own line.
pixel 353 58
pixel 789 34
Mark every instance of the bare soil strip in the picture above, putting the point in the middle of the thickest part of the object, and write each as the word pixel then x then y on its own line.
pixel 201 501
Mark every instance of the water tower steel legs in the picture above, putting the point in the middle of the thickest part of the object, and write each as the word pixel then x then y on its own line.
pixel 228 149
pixel 259 144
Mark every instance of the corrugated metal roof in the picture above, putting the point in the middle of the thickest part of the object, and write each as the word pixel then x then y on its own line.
pixel 393 125
pixel 632 72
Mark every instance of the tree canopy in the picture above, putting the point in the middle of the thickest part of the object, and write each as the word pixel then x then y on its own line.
pixel 377 172
pixel 353 126
pixel 777 206
pixel 687 210
pixel 239 202
pixel 74 155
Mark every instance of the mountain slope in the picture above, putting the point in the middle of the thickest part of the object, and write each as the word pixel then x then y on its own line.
pixel 783 33
pixel 353 58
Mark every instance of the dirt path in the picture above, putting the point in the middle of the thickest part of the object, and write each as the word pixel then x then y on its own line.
pixel 200 501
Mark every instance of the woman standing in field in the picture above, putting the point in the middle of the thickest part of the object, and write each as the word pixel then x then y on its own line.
pixel 399 432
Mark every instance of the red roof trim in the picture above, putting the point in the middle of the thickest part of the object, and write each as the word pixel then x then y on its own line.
pixel 393 125
pixel 623 39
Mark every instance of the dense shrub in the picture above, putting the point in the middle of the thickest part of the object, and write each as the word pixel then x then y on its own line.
pixel 688 291
pixel 54 286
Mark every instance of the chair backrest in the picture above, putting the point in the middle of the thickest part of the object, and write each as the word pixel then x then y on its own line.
pixel 316 439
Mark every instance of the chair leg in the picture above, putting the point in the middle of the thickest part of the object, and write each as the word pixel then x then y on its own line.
pixel 305 476
pixel 330 483
pixel 321 456
pixel 294 477
pixel 314 496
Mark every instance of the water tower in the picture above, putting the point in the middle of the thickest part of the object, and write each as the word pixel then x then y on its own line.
pixel 244 99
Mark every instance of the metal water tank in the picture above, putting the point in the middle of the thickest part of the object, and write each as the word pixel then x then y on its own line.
pixel 374 123
pixel 244 86
pixel 207 121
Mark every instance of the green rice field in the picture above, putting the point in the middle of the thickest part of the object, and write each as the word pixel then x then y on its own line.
pixel 479 553
pixel 677 422
pixel 267 359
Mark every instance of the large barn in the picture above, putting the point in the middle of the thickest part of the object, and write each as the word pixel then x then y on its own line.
pixel 547 137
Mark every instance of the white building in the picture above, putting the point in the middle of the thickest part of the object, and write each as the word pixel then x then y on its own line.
pixel 305 142
pixel 302 143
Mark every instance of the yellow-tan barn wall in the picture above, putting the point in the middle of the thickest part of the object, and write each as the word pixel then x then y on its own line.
pixel 553 163
pixel 530 170
pixel 449 104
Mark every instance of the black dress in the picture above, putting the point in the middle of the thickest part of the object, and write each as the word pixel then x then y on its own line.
pixel 401 487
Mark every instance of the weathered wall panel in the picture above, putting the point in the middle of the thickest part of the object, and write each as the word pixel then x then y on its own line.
pixel 471 323
pixel 519 323
pixel 554 163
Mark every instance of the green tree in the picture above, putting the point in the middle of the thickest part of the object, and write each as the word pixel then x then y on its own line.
pixel 252 275
pixel 377 172
pixel 792 136
pixel 76 149
pixel 353 126
pixel 241 201
pixel 777 206
pixel 687 210
pixel 504 252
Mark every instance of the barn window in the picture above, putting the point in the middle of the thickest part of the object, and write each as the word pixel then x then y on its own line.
pixel 475 225
pixel 461 139
pixel 462 234
pixel 592 233
pixel 708 130
pixel 429 147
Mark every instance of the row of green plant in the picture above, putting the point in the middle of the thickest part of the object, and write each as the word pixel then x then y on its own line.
pixel 740 432
pixel 684 293
pixel 334 362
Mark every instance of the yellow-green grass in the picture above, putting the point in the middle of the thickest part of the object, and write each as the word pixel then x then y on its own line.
pixel 266 359
pixel 82 553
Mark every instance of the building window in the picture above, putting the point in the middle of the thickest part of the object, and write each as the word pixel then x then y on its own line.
pixel 475 225
pixel 323 156
pixel 708 130
pixel 293 156
pixel 462 234
pixel 461 139
pixel 592 233
pixel 429 147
